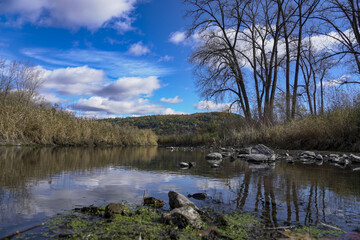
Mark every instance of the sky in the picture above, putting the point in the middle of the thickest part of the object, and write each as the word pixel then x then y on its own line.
pixel 108 58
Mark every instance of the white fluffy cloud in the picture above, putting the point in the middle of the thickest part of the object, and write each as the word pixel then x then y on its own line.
pixel 99 96
pixel 177 37
pixel 212 106
pixel 135 107
pixel 91 14
pixel 80 81
pixel 138 49
pixel 172 100
pixel 127 88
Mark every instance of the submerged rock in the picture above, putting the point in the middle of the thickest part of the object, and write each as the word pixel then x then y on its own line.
pixel 153 202
pixel 177 200
pixel 183 217
pixel 116 208
pixel 213 156
pixel 198 196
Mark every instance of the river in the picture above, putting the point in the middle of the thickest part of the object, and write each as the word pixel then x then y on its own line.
pixel 38 183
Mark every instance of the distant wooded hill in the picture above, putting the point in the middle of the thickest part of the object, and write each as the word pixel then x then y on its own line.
pixel 184 124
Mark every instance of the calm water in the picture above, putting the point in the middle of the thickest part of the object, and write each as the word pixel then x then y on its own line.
pixel 38 183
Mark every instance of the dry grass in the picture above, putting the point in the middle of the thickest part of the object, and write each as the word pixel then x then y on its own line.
pixel 51 126
pixel 337 130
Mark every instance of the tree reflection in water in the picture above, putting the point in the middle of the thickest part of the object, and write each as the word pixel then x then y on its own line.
pixel 284 194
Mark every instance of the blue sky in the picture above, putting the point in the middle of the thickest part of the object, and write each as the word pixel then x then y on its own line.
pixel 105 58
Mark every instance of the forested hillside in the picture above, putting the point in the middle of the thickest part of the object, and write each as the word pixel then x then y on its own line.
pixel 184 124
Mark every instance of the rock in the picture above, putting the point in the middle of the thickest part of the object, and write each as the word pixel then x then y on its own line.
pixel 226 154
pixel 214 162
pixel 319 157
pixel 334 157
pixel 356 169
pixel 244 150
pixel 153 202
pixel 177 200
pixel 213 156
pixel 354 158
pixel 183 217
pixel 184 164
pixel 198 196
pixel 308 154
pixel 262 149
pixel 243 156
pixel 116 208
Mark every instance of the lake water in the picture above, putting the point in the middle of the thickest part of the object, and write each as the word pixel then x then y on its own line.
pixel 38 183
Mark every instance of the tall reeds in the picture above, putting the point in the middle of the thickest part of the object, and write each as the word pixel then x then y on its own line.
pixel 31 124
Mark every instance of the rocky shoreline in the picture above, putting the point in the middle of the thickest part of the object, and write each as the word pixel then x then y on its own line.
pixel 184 220
pixel 264 156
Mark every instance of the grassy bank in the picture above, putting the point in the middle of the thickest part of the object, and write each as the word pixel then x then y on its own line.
pixel 338 130
pixel 46 125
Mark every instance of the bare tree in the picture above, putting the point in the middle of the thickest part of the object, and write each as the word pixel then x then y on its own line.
pixel 218 23
pixel 343 19
pixel 18 81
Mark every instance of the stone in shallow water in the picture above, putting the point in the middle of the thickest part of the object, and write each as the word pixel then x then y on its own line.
pixel 213 156
pixel 354 158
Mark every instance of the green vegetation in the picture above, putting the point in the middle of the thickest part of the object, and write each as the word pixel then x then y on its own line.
pixel 142 220
pixel 147 223
pixel 193 129
pixel 46 125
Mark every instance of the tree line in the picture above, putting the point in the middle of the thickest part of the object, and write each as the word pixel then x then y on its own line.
pixel 255 52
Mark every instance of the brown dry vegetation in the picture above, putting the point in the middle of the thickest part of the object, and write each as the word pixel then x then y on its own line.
pixel 31 124
pixel 338 130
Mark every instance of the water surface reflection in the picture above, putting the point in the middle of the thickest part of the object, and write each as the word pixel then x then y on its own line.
pixel 36 183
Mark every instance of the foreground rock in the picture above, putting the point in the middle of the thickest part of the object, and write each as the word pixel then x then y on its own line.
pixel 177 200
pixel 153 202
pixel 183 217
pixel 116 208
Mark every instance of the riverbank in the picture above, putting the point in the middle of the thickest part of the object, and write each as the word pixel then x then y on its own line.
pixel 335 131
pixel 45 125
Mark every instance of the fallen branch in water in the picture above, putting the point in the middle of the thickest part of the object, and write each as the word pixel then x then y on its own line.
pixel 21 232
pixel 282 227
pixel 332 227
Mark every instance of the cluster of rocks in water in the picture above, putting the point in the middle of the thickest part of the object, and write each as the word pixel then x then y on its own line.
pixel 183 212
pixel 261 156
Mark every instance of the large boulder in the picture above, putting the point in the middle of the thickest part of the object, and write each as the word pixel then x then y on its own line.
pixel 177 200
pixel 213 156
pixel 262 149
pixel 183 217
